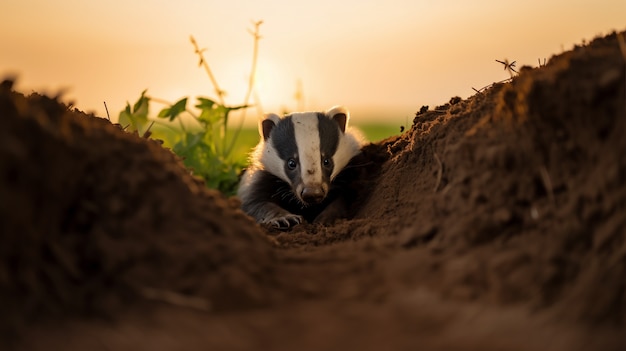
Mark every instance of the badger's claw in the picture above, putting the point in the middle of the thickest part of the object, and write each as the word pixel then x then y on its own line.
pixel 283 222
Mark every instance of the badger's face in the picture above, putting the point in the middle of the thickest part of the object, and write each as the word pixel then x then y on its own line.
pixel 307 150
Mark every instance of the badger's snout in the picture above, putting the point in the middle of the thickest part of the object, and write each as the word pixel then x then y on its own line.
pixel 313 194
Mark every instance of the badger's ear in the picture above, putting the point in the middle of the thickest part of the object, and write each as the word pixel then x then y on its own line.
pixel 266 124
pixel 340 115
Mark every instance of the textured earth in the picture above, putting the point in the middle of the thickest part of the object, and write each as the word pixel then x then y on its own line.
pixel 494 223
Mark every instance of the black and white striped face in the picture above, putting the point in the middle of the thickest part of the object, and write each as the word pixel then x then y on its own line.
pixel 307 150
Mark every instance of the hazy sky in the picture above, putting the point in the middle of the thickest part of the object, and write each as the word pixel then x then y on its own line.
pixel 381 59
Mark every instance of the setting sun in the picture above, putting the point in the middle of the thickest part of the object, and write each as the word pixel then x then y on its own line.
pixel 383 59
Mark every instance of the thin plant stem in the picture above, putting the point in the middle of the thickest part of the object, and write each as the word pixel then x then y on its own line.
pixel 107 109
pixel 203 63
pixel 251 81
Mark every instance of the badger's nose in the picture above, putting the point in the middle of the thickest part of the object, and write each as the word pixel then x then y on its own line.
pixel 313 194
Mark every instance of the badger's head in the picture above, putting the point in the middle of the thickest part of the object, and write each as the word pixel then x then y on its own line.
pixel 308 150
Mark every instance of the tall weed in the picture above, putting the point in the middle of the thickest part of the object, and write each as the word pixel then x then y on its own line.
pixel 207 148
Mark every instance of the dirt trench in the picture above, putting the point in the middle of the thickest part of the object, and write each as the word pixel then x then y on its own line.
pixel 495 222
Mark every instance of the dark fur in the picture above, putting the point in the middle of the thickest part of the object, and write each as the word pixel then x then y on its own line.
pixel 337 204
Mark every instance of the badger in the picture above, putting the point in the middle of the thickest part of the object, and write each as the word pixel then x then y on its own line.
pixel 299 169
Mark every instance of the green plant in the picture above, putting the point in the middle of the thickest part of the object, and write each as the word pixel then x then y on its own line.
pixel 207 148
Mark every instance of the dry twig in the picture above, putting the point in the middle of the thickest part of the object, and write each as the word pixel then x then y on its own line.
pixel 107 109
pixel 220 93
pixel 479 91
pixel 147 133
pixel 509 66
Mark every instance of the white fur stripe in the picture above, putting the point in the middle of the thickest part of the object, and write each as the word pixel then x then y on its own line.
pixel 308 142
pixel 274 164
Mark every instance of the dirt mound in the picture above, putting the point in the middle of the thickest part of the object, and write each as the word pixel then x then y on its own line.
pixel 93 216
pixel 496 222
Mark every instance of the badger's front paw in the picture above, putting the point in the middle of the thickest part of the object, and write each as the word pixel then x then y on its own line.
pixel 283 221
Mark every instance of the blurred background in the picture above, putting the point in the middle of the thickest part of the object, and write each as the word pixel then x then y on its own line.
pixel 381 59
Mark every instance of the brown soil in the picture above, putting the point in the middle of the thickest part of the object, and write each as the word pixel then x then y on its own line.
pixel 494 223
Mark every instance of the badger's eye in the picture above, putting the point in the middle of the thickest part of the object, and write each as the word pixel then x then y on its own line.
pixel 326 162
pixel 292 164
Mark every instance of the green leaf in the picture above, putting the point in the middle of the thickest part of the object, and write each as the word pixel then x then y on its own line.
pixel 199 154
pixel 205 103
pixel 173 111
pixel 226 111
pixel 237 107
pixel 125 117
pixel 209 112
pixel 141 107
pixel 137 118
